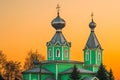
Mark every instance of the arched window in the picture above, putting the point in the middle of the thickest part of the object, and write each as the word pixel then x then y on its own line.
pixel 99 55
pixel 66 53
pixel 57 53
pixel 50 53
pixel 87 55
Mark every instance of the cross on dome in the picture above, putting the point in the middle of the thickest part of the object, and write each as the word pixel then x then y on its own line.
pixel 92 24
pixel 92 15
pixel 58 8
pixel 58 23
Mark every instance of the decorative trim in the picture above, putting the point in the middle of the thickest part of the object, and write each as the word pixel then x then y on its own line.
pixel 38 76
pixel 62 52
pixel 53 53
pixel 93 68
pixel 30 76
pixel 58 30
pixel 87 55
pixel 56 71
pixel 96 55
pixel 60 61
pixel 68 53
pixel 49 53
pixel 57 43
pixel 90 56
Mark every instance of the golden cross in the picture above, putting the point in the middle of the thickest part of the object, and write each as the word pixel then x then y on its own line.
pixel 58 8
pixel 92 15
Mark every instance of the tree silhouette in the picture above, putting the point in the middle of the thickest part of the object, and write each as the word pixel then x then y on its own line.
pixel 12 70
pixel 111 77
pixel 2 61
pixel 31 56
pixel 75 74
pixel 102 73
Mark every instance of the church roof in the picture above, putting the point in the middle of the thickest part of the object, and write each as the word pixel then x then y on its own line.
pixel 37 70
pixel 79 69
pixel 93 41
pixel 58 37
pixel 58 23
pixel 61 61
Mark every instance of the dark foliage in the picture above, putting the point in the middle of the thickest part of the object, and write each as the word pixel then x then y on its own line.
pixel 111 77
pixel 102 73
pixel 1 78
pixel 75 74
pixel 30 58
pixel 2 61
pixel 12 70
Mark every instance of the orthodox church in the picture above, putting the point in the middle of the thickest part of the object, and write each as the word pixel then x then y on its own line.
pixel 58 65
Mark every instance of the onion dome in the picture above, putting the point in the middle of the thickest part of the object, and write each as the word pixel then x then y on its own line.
pixel 92 24
pixel 58 23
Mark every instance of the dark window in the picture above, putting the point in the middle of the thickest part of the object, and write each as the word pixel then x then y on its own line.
pixel 58 53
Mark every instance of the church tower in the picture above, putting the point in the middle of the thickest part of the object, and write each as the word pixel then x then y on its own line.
pixel 92 50
pixel 58 48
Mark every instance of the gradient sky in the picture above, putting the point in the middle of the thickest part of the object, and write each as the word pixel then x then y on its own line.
pixel 26 25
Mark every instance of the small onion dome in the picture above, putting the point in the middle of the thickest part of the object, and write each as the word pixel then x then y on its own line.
pixel 92 25
pixel 58 23
pixel 36 62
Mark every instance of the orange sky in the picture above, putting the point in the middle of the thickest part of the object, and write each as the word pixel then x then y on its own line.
pixel 26 24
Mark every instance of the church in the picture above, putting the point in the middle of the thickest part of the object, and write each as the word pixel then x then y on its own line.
pixel 58 65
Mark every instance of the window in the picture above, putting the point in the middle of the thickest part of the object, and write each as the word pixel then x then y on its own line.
pixel 50 53
pixel 57 53
pixel 87 55
pixel 99 55
pixel 66 53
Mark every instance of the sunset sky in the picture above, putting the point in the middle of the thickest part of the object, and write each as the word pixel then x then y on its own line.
pixel 26 25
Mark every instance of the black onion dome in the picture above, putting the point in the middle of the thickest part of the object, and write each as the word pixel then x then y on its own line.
pixel 58 23
pixel 92 25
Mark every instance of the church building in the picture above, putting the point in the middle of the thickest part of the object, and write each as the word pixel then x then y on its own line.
pixel 58 65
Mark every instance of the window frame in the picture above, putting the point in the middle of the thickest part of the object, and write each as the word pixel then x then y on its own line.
pixel 57 52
